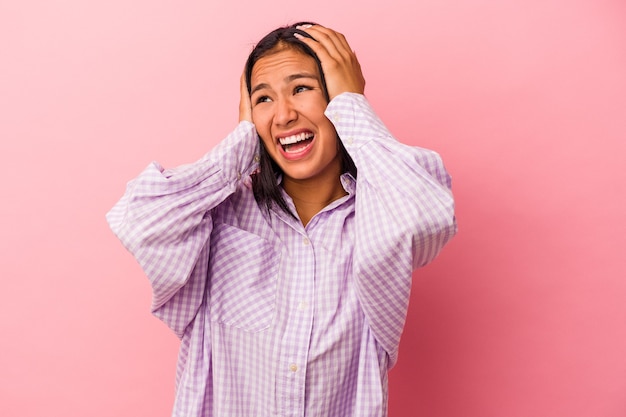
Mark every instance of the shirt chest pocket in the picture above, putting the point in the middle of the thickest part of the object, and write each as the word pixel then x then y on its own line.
pixel 243 273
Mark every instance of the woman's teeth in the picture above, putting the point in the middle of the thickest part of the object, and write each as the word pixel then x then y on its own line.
pixel 290 140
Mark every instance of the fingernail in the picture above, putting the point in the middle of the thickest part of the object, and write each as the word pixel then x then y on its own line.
pixel 298 36
pixel 303 27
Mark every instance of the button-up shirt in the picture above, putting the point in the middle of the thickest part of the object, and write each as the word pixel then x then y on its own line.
pixel 278 319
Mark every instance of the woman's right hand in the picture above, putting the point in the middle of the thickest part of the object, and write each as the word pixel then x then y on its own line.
pixel 245 106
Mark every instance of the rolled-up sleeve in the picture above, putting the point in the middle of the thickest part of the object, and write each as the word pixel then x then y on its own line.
pixel 164 220
pixel 404 214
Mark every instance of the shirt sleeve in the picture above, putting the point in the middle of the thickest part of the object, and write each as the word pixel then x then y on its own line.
pixel 404 214
pixel 164 220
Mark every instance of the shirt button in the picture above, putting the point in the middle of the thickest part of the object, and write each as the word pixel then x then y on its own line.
pixel 302 305
pixel 293 367
pixel 306 241
pixel 257 158
pixel 350 140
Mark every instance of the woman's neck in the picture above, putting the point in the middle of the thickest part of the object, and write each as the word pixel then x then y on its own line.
pixel 312 195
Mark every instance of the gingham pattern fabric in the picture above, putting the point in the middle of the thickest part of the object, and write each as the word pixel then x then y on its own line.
pixel 276 319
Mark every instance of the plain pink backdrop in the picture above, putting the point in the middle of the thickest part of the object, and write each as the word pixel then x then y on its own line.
pixel 524 314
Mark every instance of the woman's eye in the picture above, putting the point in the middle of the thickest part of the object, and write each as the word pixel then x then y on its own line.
pixel 262 99
pixel 300 89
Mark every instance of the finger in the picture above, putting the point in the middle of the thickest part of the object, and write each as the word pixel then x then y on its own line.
pixel 327 53
pixel 339 63
pixel 337 39
pixel 320 50
pixel 340 50
pixel 327 38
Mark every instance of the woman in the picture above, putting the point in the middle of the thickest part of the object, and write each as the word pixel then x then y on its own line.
pixel 286 277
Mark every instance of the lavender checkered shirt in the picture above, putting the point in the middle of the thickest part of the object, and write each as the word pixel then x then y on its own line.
pixel 277 319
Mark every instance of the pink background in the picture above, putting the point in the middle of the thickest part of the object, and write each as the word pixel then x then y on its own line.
pixel 524 314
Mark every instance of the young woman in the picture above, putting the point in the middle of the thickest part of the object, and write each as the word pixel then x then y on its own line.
pixel 283 258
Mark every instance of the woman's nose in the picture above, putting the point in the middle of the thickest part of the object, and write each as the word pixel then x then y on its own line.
pixel 285 113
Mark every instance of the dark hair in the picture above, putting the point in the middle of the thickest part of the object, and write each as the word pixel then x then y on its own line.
pixel 264 182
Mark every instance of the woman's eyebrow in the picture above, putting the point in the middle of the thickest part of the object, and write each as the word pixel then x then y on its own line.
pixel 288 79
pixel 259 87
pixel 301 75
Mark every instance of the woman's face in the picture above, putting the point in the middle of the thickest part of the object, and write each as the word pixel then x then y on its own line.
pixel 288 106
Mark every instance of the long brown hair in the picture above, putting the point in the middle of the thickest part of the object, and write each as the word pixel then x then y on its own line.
pixel 266 190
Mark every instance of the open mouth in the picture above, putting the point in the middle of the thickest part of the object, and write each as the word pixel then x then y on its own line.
pixel 296 143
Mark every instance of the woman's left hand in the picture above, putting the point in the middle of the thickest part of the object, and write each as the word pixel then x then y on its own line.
pixel 339 62
pixel 245 108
